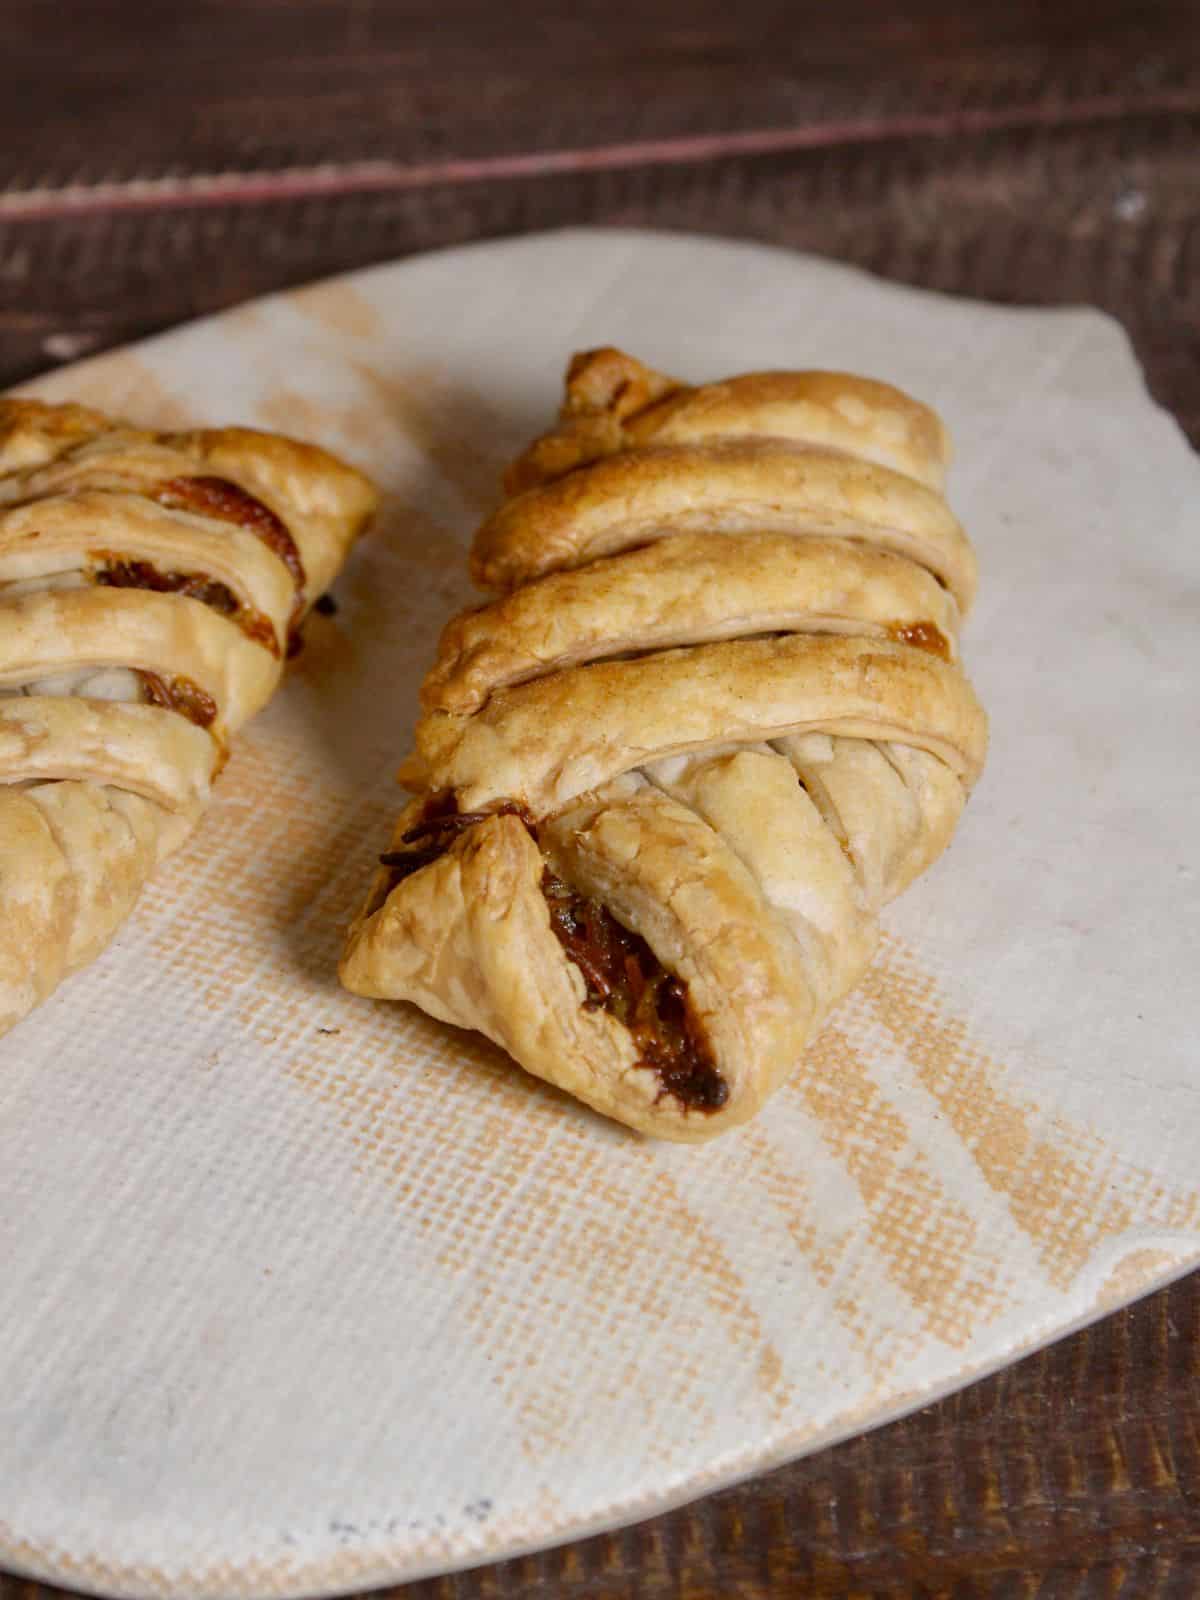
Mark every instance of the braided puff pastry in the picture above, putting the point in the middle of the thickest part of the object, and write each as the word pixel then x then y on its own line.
pixel 712 722
pixel 150 586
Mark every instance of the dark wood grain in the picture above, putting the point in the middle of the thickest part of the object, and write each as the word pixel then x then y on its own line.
pixel 1074 1475
pixel 1032 153
pixel 1038 153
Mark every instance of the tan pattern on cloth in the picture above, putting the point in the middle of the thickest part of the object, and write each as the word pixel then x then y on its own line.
pixel 360 1237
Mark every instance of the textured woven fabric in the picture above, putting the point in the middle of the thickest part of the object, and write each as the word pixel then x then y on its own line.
pixel 336 1295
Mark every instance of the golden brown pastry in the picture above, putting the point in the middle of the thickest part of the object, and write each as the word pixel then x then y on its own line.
pixel 712 722
pixel 150 586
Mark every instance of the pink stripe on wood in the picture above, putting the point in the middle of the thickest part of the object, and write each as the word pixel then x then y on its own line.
pixel 251 188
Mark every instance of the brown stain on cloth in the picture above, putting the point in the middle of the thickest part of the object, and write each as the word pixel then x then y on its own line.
pixel 339 308
pixel 123 385
pixel 442 421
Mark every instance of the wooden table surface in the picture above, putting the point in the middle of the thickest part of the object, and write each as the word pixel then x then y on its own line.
pixel 164 160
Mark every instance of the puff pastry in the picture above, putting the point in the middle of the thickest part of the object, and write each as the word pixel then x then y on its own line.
pixel 150 587
pixel 711 723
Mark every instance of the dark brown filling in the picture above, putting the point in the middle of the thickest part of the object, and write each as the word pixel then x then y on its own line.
pixel 181 695
pixel 117 573
pixel 441 823
pixel 229 502
pixel 924 635
pixel 620 971
pixel 624 976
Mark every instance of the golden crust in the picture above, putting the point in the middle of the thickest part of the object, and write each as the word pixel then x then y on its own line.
pixel 751 800
pixel 32 432
pixel 73 858
pixel 169 635
pixel 831 410
pixel 325 502
pixel 693 589
pixel 615 403
pixel 96 785
pixel 138 748
pixel 667 874
pixel 715 687
pixel 35 929
pixel 731 486
pixel 469 940
pixel 543 743
pixel 892 808
pixel 610 382
pixel 81 532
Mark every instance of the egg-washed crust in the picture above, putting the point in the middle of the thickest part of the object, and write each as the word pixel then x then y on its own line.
pixel 734 486
pixel 90 533
pixel 546 741
pixel 165 634
pixel 150 584
pixel 614 403
pixel 692 589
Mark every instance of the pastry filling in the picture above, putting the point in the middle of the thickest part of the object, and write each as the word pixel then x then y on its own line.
pixel 440 824
pixel 624 976
pixel 620 971
pixel 229 502
pixel 118 573
pixel 178 694
pixel 923 635
pixel 126 686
